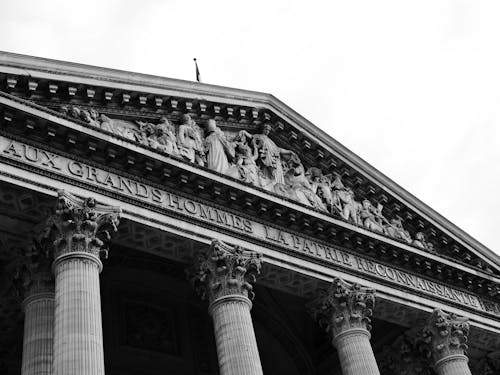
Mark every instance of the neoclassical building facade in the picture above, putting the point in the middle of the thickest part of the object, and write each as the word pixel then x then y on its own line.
pixel 156 226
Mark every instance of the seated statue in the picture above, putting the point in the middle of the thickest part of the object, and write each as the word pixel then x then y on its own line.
pixel 349 207
pixel 87 117
pixel 371 217
pixel 165 139
pixel 395 229
pixel 421 242
pixel 269 160
pixel 246 157
pixel 146 134
pixel 297 186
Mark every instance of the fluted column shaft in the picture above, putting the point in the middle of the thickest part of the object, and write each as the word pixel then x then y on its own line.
pixel 78 343
pixel 38 334
pixel 453 365
pixel 80 229
pixel 355 352
pixel 224 275
pixel 235 337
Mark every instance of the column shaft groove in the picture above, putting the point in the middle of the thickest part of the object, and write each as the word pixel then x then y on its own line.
pixel 355 353
pixel 38 335
pixel 78 343
pixel 235 338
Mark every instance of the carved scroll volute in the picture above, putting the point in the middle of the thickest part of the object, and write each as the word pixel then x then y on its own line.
pixel 225 271
pixel 82 225
pixel 444 335
pixel 343 306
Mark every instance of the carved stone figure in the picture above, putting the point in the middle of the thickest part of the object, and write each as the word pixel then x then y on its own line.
pixel 299 184
pixel 219 152
pixel 349 206
pixel 87 117
pixel 190 141
pixel 255 159
pixel 269 159
pixel 246 158
pixel 106 123
pixel 421 242
pixel 371 217
pixel 146 133
pixel 74 112
pixel 164 137
pixel 395 229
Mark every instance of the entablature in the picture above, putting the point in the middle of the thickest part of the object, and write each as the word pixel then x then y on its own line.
pixel 130 96
pixel 30 124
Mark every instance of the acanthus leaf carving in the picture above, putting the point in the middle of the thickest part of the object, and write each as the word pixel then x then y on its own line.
pixel 343 306
pixel 225 271
pixel 82 225
pixel 445 334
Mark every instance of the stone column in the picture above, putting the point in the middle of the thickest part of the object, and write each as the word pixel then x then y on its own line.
pixel 344 310
pixel 80 227
pixel 443 341
pixel 224 276
pixel 37 283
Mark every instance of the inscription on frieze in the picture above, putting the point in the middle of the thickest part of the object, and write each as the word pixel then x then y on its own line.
pixel 171 202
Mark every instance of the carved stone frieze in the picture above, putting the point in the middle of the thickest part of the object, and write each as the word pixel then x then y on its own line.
pixel 257 160
pixel 225 271
pixel 343 306
pixel 444 335
pixel 81 226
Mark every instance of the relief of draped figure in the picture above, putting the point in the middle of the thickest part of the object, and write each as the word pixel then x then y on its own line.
pixel 218 150
pixel 160 137
pixel 269 158
pixel 255 159
pixel 190 141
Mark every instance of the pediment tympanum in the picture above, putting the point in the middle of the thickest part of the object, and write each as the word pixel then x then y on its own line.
pixel 254 158
pixel 255 140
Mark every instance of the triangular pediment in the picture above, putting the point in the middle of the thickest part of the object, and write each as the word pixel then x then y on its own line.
pixel 295 162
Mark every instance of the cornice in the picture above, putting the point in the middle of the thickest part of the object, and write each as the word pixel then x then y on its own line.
pixel 97 76
pixel 59 118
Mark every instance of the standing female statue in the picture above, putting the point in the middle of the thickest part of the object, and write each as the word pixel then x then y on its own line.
pixel 217 149
pixel 190 141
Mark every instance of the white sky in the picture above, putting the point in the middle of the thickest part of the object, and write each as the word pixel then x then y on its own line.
pixel 411 86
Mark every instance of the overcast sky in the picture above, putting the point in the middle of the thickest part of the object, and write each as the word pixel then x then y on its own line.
pixel 413 87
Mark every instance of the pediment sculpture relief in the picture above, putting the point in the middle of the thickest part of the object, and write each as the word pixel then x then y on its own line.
pixel 257 160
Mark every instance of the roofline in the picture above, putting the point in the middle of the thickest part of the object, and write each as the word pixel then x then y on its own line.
pixel 39 67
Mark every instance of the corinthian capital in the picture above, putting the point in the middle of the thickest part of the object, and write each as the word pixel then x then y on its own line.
pixel 343 306
pixel 225 271
pixel 33 275
pixel 82 225
pixel 443 335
